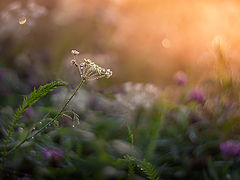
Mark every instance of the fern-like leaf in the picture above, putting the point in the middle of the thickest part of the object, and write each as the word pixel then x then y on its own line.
pixel 145 166
pixel 28 101
pixel 131 164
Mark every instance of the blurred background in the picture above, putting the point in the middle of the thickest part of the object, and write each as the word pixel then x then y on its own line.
pixel 146 41
pixel 177 55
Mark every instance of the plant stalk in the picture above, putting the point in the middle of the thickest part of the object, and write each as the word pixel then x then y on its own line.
pixel 50 122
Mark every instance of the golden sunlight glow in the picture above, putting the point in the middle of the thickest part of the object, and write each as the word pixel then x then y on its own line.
pixel 166 43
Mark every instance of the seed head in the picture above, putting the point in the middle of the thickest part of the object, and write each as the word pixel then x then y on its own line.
pixel 89 70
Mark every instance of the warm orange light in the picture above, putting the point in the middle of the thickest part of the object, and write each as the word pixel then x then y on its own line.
pixel 22 20
pixel 166 43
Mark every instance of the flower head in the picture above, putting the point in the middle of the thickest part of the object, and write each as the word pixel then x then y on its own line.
pixel 180 78
pixel 89 70
pixel 75 52
pixel 52 154
pixel 230 149
pixel 197 96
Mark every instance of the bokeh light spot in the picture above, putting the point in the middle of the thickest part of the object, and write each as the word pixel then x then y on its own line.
pixel 166 43
pixel 22 20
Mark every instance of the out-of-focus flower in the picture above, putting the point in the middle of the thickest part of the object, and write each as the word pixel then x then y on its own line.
pixel 138 95
pixel 230 148
pixel 55 154
pixel 36 10
pixel 29 112
pixel 180 78
pixel 197 96
pixel 89 70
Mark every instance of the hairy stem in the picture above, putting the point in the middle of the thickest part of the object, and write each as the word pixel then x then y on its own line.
pixel 50 122
pixel 28 101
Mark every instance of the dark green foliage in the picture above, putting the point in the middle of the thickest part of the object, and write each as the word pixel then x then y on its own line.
pixel 154 132
pixel 31 99
pixel 130 163
pixel 28 101
pixel 144 166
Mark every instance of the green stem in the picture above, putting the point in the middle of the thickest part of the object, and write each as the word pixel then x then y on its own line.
pixel 130 163
pixel 50 122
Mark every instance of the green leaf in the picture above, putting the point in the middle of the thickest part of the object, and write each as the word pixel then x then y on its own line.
pixel 145 166
pixel 76 120
pixel 28 101
pixel 130 135
pixel 56 123
pixel 24 134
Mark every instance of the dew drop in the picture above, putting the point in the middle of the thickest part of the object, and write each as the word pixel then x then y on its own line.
pixel 20 130
pixel 22 20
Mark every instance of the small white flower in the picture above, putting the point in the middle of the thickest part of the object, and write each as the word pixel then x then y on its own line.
pixel 138 95
pixel 89 70
pixel 75 52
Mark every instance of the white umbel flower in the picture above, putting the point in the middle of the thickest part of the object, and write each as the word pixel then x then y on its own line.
pixel 89 70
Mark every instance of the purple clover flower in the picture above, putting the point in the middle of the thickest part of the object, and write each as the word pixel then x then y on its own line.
pixel 197 96
pixel 180 78
pixel 230 149
pixel 55 154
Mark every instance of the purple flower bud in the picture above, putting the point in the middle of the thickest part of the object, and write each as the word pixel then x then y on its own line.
pixel 230 149
pixel 180 78
pixel 197 96
pixel 47 153
pixel 57 154
pixel 52 154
